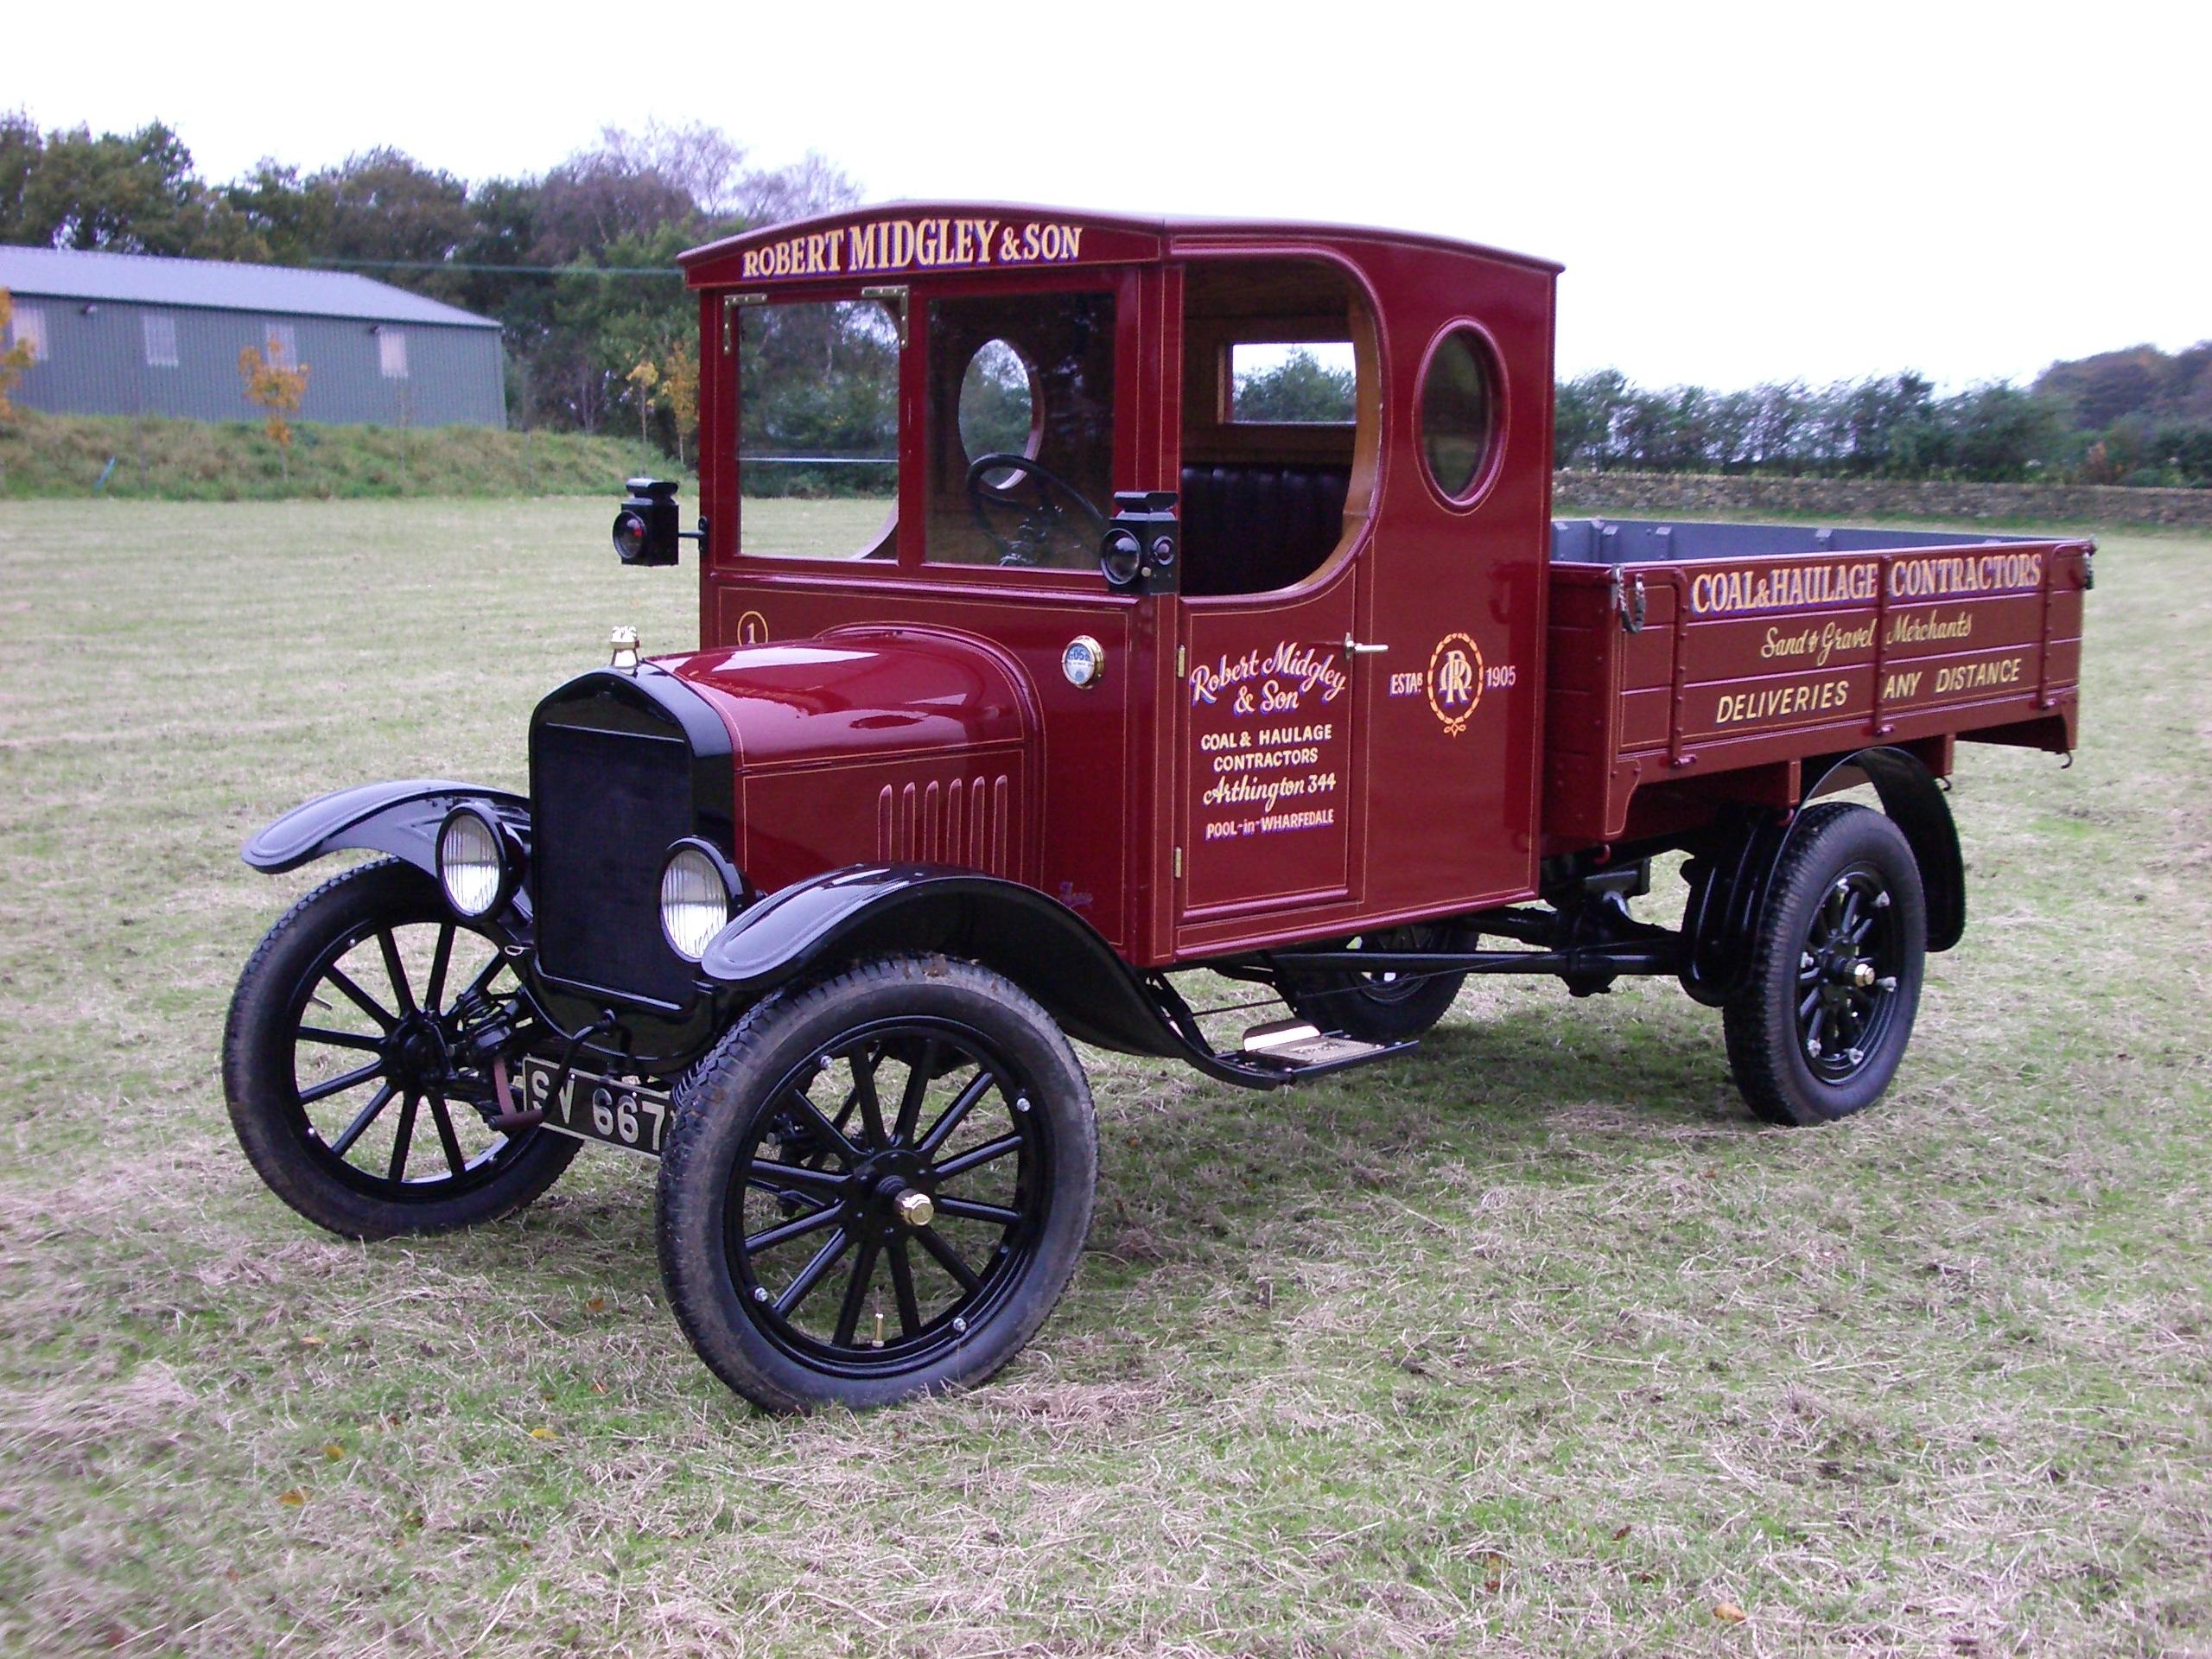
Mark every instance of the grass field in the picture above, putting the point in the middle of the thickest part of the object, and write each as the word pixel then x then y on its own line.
pixel 1531 1342
pixel 78 456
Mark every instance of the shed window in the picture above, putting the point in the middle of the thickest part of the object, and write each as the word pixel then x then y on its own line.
pixel 30 329
pixel 161 339
pixel 284 347
pixel 392 353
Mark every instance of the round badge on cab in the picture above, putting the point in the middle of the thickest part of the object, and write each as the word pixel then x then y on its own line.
pixel 1083 661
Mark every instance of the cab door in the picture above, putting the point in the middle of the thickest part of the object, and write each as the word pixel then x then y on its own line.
pixel 1268 750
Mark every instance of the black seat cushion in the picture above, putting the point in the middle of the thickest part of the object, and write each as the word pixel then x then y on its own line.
pixel 1250 529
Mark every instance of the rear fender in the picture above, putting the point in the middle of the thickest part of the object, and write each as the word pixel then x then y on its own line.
pixel 872 909
pixel 1914 801
pixel 401 818
pixel 1728 902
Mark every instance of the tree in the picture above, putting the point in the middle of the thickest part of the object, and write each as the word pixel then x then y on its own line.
pixel 277 387
pixel 23 148
pixel 126 193
pixel 385 211
pixel 15 359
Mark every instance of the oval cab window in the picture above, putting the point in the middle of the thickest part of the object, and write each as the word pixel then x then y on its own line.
pixel 1458 414
pixel 998 407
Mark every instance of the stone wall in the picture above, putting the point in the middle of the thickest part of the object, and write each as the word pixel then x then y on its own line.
pixel 1690 495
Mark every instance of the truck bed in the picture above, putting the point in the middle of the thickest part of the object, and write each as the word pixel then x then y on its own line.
pixel 1680 652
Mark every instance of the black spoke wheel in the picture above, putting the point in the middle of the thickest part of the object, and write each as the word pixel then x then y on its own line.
pixel 876 1186
pixel 349 1087
pixel 1387 1006
pixel 1823 1017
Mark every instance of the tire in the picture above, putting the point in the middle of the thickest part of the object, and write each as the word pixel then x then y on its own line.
pixel 1005 1185
pixel 404 1146
pixel 1380 1008
pixel 1823 1016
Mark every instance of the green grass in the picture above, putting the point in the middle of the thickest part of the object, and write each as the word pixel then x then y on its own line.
pixel 1529 1342
pixel 67 456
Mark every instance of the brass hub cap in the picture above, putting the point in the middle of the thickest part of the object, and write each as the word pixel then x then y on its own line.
pixel 914 1207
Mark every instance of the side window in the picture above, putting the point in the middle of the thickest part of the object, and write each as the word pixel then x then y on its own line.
pixel 283 347
pixel 392 353
pixel 1282 421
pixel 1458 416
pixel 817 446
pixel 1020 433
pixel 160 329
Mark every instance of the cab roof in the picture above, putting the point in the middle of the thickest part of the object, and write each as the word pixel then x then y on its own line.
pixel 904 236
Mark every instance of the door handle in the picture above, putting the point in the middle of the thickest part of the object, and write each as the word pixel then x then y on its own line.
pixel 1354 648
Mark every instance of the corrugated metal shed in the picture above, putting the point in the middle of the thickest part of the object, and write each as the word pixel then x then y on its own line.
pixel 119 333
pixel 218 285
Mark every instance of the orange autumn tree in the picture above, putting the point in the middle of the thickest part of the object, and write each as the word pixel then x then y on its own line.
pixel 272 385
pixel 13 362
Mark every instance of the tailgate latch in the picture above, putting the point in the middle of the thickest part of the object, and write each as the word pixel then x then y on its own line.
pixel 1628 600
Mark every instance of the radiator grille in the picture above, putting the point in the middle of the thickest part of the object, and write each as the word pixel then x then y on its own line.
pixel 608 804
pixel 962 822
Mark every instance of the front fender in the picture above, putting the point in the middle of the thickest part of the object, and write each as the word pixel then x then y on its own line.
pixel 401 818
pixel 870 909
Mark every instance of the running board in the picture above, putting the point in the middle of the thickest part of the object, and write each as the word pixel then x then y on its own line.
pixel 1287 1050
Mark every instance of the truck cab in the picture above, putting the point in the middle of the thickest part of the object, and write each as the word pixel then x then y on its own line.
pixel 1321 705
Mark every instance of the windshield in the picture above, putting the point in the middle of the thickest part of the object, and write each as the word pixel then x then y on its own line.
pixel 1021 444
pixel 818 430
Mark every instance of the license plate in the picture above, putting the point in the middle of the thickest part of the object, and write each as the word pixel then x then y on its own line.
pixel 615 1110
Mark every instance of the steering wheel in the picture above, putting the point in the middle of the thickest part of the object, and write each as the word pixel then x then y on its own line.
pixel 1057 515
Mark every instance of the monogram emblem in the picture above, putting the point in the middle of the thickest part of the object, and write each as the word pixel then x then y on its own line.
pixel 1455 681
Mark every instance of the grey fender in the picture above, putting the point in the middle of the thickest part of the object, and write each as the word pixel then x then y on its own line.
pixel 871 909
pixel 401 818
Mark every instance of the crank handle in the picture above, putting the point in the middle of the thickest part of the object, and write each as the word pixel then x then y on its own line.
pixel 1353 648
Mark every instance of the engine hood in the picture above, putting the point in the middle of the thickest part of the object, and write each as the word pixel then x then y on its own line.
pixel 860 694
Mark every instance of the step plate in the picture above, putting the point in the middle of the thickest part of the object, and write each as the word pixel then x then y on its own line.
pixel 1311 1051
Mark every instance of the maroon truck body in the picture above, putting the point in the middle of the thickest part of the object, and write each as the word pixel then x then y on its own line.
pixel 1133 657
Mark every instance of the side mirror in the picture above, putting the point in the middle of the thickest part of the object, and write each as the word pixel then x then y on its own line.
pixel 645 525
pixel 1142 544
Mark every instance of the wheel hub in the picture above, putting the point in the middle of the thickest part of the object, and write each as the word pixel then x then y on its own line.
pixel 417 1050
pixel 890 1191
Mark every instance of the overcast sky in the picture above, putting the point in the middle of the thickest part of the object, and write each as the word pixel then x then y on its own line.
pixel 1738 193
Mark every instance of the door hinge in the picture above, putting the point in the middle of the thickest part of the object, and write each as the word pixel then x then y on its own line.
pixel 1179 863
pixel 1182 662
pixel 893 296
pixel 730 302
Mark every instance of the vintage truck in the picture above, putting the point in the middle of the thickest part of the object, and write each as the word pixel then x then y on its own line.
pixel 1061 657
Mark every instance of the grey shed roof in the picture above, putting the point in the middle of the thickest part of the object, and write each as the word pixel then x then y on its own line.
pixel 214 284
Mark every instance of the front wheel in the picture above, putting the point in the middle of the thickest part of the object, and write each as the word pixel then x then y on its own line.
pixel 350 1088
pixel 876 1186
pixel 1817 1028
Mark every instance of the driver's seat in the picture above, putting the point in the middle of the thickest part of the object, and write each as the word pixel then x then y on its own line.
pixel 1252 529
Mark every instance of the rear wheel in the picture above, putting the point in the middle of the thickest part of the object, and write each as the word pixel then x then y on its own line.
pixel 349 1088
pixel 1822 1018
pixel 876 1186
pixel 1387 1006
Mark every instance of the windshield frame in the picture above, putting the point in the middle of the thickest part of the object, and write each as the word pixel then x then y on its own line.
pixel 1134 384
